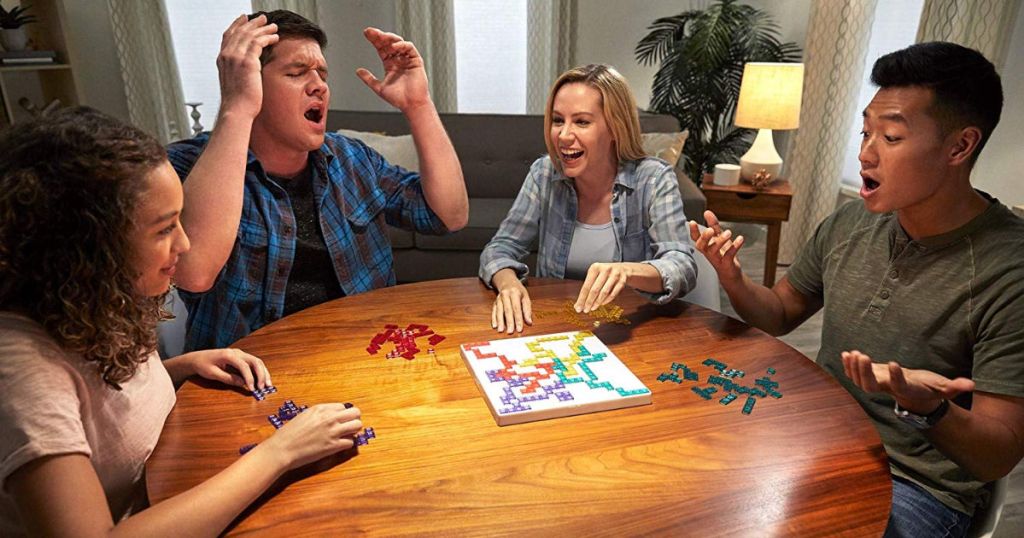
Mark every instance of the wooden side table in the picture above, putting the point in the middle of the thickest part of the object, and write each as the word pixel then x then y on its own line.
pixel 744 203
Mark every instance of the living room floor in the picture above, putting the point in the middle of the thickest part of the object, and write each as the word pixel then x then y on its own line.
pixel 807 340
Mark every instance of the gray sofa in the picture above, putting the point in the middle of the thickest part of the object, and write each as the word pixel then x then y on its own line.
pixel 496 151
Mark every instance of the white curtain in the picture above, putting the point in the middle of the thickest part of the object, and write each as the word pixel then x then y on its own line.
pixel 156 102
pixel 306 8
pixel 983 25
pixel 430 25
pixel 838 33
pixel 551 46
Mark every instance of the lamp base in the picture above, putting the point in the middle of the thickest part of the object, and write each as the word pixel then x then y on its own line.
pixel 761 157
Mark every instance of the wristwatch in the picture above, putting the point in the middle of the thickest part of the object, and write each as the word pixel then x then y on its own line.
pixel 922 422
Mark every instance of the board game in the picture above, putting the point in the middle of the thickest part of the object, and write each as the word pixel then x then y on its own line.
pixel 551 376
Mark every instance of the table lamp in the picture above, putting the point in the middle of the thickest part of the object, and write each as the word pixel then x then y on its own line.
pixel 769 99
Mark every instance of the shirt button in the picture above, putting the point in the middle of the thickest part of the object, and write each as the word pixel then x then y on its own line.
pixel 281 268
pixel 893 274
pixel 287 229
pixel 884 294
pixel 616 219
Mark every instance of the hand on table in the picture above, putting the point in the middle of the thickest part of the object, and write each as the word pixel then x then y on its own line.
pixel 603 284
pixel 405 80
pixel 315 433
pixel 229 366
pixel 512 306
pixel 918 391
pixel 238 64
pixel 718 247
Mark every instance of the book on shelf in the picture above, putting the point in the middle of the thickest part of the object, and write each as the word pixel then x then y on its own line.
pixel 28 57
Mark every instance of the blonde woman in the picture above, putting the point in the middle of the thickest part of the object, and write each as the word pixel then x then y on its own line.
pixel 604 212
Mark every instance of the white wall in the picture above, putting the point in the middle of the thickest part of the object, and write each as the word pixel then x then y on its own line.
pixel 347 49
pixel 91 43
pixel 1000 168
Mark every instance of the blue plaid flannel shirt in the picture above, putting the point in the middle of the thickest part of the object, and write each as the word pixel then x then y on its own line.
pixel 357 192
pixel 647 215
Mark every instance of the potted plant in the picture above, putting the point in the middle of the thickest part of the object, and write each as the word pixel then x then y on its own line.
pixel 12 31
pixel 701 54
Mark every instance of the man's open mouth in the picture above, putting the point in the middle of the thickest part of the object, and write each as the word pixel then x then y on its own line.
pixel 315 114
pixel 870 184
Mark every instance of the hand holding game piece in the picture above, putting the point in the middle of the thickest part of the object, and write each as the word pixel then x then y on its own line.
pixel 718 247
pixel 317 432
pixel 603 284
pixel 229 366
pixel 919 391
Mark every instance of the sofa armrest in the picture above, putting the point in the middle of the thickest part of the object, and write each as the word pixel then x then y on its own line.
pixel 694 201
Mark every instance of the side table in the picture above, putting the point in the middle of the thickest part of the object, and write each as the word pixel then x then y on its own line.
pixel 744 203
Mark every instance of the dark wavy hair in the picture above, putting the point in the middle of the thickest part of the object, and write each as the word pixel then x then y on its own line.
pixel 290 25
pixel 967 88
pixel 69 183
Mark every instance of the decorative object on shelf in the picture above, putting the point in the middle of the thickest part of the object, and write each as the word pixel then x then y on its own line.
pixel 197 127
pixel 762 179
pixel 12 27
pixel 769 99
pixel 34 110
pixel 727 174
pixel 700 56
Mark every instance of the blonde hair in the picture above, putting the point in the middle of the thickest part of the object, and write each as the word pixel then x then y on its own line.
pixel 618 104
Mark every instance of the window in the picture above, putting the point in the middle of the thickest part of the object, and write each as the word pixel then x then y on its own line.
pixel 196 30
pixel 895 27
pixel 490 55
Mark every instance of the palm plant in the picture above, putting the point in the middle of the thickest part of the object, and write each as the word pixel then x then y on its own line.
pixel 701 55
pixel 16 17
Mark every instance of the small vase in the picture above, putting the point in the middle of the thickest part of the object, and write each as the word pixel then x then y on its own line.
pixel 13 39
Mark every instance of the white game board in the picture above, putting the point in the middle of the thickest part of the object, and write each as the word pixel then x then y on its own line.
pixel 556 375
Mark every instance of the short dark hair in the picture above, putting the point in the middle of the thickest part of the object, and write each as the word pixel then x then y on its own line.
pixel 290 25
pixel 69 185
pixel 966 86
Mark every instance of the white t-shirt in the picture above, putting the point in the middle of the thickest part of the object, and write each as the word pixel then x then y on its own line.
pixel 53 402
pixel 591 243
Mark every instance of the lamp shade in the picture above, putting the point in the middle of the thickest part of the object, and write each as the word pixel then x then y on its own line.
pixel 770 96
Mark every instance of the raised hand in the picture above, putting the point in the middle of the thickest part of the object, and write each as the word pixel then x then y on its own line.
pixel 315 433
pixel 603 283
pixel 229 366
pixel 920 391
pixel 718 247
pixel 405 80
pixel 238 64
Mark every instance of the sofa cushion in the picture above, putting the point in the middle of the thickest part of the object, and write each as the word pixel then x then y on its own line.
pixel 400 150
pixel 485 216
pixel 665 146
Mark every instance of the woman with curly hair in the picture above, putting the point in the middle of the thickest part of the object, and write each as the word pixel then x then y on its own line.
pixel 89 238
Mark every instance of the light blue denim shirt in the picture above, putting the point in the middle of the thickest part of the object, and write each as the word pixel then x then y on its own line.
pixel 647 215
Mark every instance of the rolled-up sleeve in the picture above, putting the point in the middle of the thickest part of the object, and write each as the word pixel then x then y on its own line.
pixel 671 251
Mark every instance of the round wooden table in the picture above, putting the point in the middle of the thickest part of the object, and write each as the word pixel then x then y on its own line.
pixel 807 464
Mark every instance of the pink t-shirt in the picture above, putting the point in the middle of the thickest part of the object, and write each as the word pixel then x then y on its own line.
pixel 53 402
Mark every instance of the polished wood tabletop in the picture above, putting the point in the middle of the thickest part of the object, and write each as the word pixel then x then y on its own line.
pixel 807 464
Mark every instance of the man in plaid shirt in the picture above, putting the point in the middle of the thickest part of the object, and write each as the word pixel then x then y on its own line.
pixel 283 216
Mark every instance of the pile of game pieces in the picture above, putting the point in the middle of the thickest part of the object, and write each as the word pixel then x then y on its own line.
pixel 764 386
pixel 404 340
pixel 286 412
pixel 261 394
pixel 609 313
